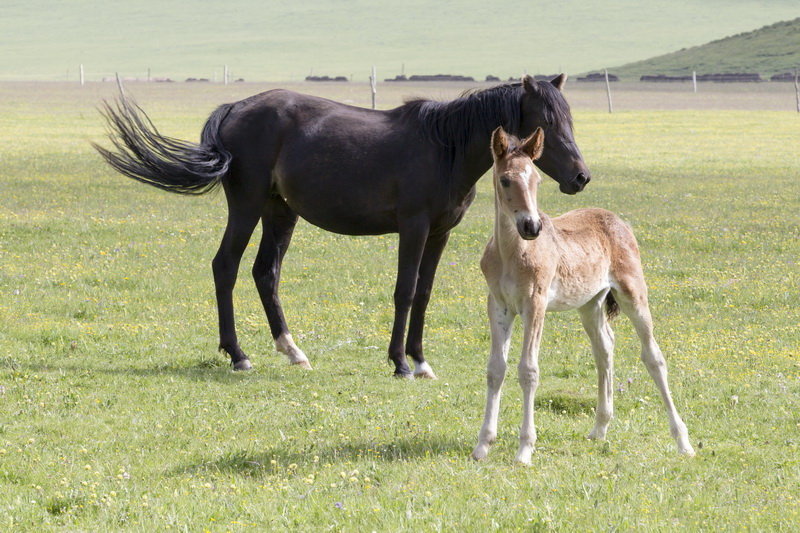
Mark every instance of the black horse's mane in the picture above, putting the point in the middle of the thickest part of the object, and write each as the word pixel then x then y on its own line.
pixel 453 123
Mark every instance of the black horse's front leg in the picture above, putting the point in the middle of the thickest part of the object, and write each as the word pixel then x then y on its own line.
pixel 422 295
pixel 413 235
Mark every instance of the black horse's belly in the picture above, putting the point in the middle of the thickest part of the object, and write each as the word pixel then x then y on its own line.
pixel 353 176
pixel 347 220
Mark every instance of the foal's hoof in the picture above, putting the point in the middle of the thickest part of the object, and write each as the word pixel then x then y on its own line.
pixel 302 364
pixel 479 453
pixel 242 364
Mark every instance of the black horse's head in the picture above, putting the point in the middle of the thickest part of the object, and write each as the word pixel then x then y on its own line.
pixel 543 106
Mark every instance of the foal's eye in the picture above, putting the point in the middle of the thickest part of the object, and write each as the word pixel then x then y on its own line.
pixel 505 182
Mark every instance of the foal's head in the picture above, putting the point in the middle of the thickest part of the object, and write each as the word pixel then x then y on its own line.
pixel 516 179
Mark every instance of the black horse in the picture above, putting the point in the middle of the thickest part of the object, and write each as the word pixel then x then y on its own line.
pixel 412 170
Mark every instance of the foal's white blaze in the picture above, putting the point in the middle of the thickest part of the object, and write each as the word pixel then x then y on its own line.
pixel 285 344
pixel 526 175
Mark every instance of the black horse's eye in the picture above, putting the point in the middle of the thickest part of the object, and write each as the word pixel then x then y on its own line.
pixel 505 182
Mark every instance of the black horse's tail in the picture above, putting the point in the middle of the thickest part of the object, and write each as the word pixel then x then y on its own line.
pixel 145 155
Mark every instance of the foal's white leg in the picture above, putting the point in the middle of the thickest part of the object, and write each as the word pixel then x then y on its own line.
pixel 500 321
pixel 528 374
pixel 285 344
pixel 595 323
pixel 639 313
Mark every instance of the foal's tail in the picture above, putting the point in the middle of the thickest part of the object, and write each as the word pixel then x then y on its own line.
pixel 145 155
pixel 612 307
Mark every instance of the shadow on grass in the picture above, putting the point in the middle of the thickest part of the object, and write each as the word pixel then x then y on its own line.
pixel 196 370
pixel 565 402
pixel 276 460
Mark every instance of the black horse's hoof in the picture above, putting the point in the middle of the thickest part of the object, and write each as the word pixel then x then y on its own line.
pixel 404 375
pixel 242 364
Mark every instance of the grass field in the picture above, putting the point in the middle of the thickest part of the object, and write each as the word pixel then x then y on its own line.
pixel 287 40
pixel 116 412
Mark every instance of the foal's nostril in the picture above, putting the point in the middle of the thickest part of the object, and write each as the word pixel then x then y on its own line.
pixel 529 228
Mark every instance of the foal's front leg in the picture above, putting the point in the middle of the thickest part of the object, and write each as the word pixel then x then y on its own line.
pixel 500 321
pixel 528 373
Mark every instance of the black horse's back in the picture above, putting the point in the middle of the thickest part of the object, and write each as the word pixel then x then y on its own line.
pixel 170 164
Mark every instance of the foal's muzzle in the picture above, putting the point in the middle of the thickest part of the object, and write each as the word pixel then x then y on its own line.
pixel 529 227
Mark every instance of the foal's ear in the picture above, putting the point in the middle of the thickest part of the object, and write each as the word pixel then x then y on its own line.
pixel 530 84
pixel 559 81
pixel 533 146
pixel 499 143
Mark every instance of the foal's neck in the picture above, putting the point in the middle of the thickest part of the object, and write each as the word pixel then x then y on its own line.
pixel 507 236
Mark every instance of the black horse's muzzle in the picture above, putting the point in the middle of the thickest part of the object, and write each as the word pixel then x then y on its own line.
pixel 576 185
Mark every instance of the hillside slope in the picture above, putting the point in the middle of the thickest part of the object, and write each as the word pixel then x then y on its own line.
pixel 769 50
pixel 287 39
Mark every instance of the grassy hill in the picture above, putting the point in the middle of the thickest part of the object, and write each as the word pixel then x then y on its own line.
pixel 287 39
pixel 769 50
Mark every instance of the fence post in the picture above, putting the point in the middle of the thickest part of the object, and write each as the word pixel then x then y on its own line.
pixel 225 75
pixel 373 82
pixel 796 91
pixel 82 78
pixel 694 80
pixel 608 92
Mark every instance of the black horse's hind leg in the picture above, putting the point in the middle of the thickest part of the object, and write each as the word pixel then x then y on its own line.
pixel 413 235
pixel 427 271
pixel 241 223
pixel 278 222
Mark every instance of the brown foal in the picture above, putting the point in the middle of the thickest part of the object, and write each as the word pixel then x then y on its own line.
pixel 587 260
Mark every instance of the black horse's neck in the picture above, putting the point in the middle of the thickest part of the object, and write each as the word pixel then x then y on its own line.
pixel 462 128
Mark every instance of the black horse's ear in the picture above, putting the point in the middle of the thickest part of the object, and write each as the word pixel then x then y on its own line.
pixel 530 84
pixel 533 146
pixel 559 81
pixel 499 143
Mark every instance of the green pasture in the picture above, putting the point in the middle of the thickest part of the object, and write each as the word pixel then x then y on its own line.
pixel 117 412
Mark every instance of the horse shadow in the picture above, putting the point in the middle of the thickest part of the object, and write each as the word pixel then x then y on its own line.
pixel 274 460
pixel 203 370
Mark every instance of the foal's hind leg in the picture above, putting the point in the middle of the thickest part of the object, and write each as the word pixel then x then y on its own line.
pixel 595 322
pixel 241 222
pixel 278 222
pixel 632 299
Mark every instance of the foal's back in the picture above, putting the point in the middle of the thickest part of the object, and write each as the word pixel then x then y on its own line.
pixel 596 251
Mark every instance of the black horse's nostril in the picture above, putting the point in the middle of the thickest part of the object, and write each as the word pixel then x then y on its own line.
pixel 582 179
